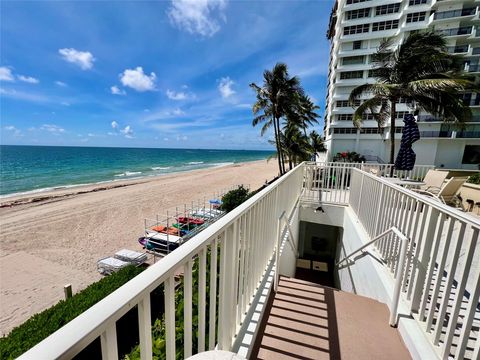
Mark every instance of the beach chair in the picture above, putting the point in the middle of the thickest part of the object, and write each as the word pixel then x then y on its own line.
pixel 447 192
pixel 133 257
pixel 109 265
pixel 433 180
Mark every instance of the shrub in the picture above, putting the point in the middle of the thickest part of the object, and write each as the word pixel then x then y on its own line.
pixel 474 179
pixel 234 197
pixel 351 157
pixel 45 323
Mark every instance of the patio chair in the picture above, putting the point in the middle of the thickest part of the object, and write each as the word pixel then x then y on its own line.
pixel 447 192
pixel 433 180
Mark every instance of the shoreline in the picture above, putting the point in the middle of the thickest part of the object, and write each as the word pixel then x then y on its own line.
pixel 56 238
pixel 66 191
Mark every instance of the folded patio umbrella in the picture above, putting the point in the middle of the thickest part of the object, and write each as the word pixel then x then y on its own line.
pixel 406 156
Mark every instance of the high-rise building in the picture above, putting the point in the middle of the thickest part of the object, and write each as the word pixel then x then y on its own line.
pixel 356 29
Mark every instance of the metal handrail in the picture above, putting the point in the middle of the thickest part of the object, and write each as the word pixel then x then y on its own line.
pixel 400 269
pixel 393 229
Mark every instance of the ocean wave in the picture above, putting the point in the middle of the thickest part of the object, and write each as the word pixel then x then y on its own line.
pixel 223 164
pixel 161 167
pixel 128 173
pixel 195 162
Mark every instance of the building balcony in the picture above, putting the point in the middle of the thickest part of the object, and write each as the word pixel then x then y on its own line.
pixel 464 31
pixel 405 267
pixel 461 13
pixel 474 68
pixel 458 49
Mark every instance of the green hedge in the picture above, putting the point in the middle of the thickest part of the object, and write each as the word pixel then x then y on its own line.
pixel 43 324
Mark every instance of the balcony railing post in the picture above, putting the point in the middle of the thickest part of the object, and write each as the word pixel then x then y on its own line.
pixel 277 252
pixel 108 341
pixel 398 280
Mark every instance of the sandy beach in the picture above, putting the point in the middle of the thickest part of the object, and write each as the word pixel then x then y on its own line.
pixel 52 239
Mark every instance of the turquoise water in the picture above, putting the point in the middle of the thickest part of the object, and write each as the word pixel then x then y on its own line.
pixel 40 168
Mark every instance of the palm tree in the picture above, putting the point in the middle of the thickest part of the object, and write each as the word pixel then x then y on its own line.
pixel 419 69
pixel 274 100
pixel 303 112
pixel 316 142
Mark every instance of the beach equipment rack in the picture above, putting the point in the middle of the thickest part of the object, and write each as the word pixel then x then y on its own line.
pixel 174 232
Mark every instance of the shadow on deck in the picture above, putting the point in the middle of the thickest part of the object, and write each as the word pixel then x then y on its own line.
pixel 310 321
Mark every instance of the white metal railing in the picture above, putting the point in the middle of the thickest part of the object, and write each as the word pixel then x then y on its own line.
pixel 240 245
pixel 330 182
pixel 441 274
pixel 401 261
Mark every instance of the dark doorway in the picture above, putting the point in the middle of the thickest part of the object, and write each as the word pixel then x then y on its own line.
pixel 317 250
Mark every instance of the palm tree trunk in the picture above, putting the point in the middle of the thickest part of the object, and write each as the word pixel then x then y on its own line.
pixel 281 155
pixel 277 142
pixel 392 133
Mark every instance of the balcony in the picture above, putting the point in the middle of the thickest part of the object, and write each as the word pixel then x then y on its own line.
pixel 474 68
pixel 461 31
pixel 455 13
pixel 413 260
pixel 459 49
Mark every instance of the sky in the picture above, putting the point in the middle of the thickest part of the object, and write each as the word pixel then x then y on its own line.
pixel 172 74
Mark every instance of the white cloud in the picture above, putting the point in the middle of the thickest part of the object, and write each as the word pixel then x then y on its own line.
pixel 138 80
pixel 84 59
pixel 182 138
pixel 172 95
pixel 197 17
pixel 90 135
pixel 178 112
pixel 114 125
pixel 16 132
pixel 225 87
pixel 65 103
pixel 53 129
pixel 117 91
pixel 60 83
pixel 165 139
pixel 6 74
pixel 128 132
pixel 28 79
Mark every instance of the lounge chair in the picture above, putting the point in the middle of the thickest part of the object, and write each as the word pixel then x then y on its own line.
pixel 433 180
pixel 447 192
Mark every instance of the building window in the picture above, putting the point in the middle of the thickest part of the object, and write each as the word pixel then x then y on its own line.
pixel 345 117
pixel 417 2
pixel 355 1
pixel 385 25
pixel 351 75
pixel 404 100
pixel 416 17
pixel 353 60
pixel 387 9
pixel 401 114
pixel 346 103
pixel 345 130
pixel 357 45
pixel 398 130
pixel 356 29
pixel 471 154
pixel 357 14
pixel 375 130
pixel 373 73
pixel 366 117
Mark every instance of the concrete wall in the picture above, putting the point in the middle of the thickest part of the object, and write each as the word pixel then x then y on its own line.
pixel 288 255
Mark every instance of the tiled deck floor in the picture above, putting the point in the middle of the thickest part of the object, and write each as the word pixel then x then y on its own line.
pixel 309 321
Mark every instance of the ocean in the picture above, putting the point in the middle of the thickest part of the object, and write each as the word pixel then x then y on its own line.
pixel 29 169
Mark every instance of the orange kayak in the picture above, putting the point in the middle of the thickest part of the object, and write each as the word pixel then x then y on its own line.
pixel 165 230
